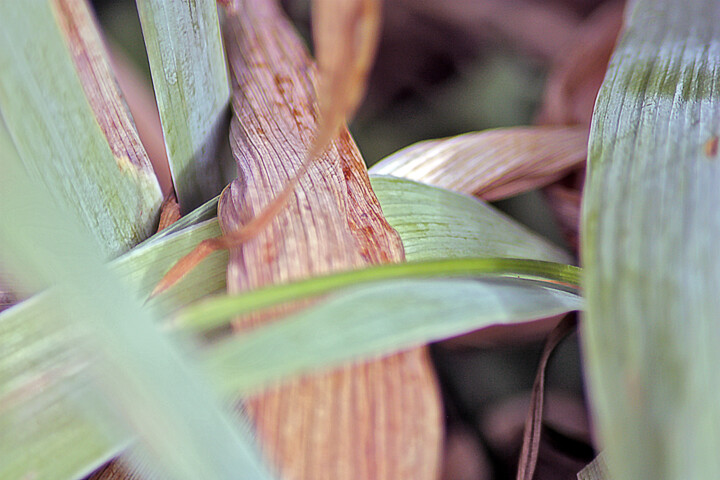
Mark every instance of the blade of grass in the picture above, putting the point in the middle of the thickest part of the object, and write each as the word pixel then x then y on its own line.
pixel 187 63
pixel 66 117
pixel 367 322
pixel 649 243
pixel 142 376
pixel 214 312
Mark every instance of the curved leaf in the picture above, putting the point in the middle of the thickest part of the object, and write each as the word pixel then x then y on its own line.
pixel 649 238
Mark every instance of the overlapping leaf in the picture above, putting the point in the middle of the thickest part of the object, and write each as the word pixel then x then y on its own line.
pixel 66 117
pixel 187 63
pixel 493 164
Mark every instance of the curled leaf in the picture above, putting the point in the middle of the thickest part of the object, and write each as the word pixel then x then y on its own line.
pixel 493 164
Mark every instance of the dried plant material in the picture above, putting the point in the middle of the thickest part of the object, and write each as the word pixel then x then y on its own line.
pixel 345 34
pixel 169 212
pixel 493 164
pixel 75 113
pixel 379 420
pixel 580 68
pixel 98 81
pixel 533 424
pixel 141 102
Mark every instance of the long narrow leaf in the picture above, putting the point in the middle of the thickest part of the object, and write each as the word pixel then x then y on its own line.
pixel 377 320
pixel 649 238
pixel 143 377
pixel 66 117
pixel 210 313
pixel 189 72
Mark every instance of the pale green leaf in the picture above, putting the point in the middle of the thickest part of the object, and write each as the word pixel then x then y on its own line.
pixel 595 470
pixel 189 72
pixel 438 223
pixel 105 340
pixel 215 311
pixel 374 320
pixel 649 240
pixel 58 137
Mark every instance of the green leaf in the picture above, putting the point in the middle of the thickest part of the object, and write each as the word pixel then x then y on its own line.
pixel 437 223
pixel 106 341
pixel 595 470
pixel 189 72
pixel 649 236
pixel 58 135
pixel 213 312
pixel 33 327
pixel 378 319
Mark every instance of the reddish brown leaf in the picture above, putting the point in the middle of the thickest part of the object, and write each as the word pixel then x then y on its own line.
pixel 169 212
pixel 345 33
pixel 378 420
pixel 493 164
pixel 533 424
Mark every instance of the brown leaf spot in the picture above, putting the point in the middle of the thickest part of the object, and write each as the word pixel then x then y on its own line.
pixel 711 147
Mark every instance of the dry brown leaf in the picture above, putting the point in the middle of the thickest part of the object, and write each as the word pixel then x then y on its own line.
pixel 91 62
pixel 345 34
pixel 378 420
pixel 493 164
pixel 533 423
pixel 580 68
pixel 169 212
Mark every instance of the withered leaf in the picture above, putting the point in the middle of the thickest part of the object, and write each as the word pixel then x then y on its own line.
pixel 379 420
pixel 492 164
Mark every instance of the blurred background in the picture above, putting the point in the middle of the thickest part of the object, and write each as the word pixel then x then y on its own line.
pixel 446 68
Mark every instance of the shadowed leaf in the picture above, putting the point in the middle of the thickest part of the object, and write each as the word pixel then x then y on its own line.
pixel 189 72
